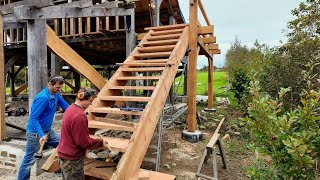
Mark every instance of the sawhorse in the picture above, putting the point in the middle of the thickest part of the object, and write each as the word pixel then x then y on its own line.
pixel 211 150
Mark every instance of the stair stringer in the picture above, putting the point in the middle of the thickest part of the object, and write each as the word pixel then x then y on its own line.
pixel 130 163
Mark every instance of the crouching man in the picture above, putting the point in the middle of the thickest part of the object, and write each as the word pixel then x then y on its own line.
pixel 75 139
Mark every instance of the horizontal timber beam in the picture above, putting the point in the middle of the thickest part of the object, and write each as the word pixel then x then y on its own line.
pixel 8 8
pixel 54 12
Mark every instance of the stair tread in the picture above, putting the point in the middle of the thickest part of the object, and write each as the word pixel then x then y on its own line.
pixel 111 126
pixel 152 55
pixel 139 78
pixel 156 48
pixel 116 121
pixel 124 98
pixel 168 27
pixel 152 61
pixel 164 32
pixel 164 37
pixel 145 69
pixel 145 64
pixel 133 87
pixel 110 110
pixel 115 143
pixel 162 42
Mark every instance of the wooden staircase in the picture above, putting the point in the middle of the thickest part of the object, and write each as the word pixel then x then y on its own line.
pixel 155 59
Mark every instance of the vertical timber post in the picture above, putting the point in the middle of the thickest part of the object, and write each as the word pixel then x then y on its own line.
pixel 37 57
pixel 193 54
pixel 210 85
pixel 2 85
pixel 56 65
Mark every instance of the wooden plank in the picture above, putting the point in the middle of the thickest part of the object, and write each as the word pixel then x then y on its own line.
pixel 215 51
pixel 56 12
pixel 161 43
pixel 212 141
pixel 63 24
pixel 110 126
pixel 8 8
pixel 205 30
pixel 169 27
pixel 115 143
pixel 212 46
pixel 107 110
pixel 219 126
pixel 152 175
pixel 133 87
pixel 203 13
pixel 50 165
pixel 156 48
pixel 124 98
pixel 66 53
pixel 192 74
pixel 20 89
pixel 127 78
pixel 144 64
pixel 147 69
pixel 101 173
pixel 204 48
pixel 210 39
pixel 165 32
pixel 152 61
pixel 130 162
pixel 115 121
pixel 153 55
pixel 80 25
pixel 2 85
pixel 164 37
pixel 107 23
pixel 140 36
pixel 88 25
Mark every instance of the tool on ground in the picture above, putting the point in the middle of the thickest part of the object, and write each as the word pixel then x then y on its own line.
pixel 39 154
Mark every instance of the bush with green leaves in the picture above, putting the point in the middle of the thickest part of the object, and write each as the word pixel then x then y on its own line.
pixel 291 138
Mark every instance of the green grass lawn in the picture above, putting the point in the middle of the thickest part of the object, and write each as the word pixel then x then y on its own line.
pixel 219 81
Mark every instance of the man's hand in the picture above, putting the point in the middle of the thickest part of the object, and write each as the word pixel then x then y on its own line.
pixel 43 139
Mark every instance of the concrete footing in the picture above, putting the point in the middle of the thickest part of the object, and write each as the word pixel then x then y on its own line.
pixel 192 137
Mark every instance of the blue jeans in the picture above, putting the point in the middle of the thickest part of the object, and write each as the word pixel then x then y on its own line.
pixel 33 147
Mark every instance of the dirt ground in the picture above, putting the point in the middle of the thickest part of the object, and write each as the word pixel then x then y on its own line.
pixel 182 158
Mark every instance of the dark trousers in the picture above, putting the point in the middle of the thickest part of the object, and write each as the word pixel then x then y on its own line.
pixel 72 170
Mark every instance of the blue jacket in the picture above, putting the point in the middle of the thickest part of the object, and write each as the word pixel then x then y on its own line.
pixel 42 112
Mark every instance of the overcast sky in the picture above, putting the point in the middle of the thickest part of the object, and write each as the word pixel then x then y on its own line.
pixel 249 20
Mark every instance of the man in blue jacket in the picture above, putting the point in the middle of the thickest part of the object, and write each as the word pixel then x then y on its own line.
pixel 39 129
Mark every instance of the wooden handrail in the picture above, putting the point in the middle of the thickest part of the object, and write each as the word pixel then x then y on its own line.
pixel 204 12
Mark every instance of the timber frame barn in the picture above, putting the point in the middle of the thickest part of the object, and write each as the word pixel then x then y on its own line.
pixel 140 40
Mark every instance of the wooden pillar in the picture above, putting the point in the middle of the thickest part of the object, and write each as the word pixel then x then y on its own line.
pixel 185 78
pixel 2 85
pixel 77 80
pixel 156 13
pixel 130 33
pixel 210 84
pixel 12 78
pixel 56 65
pixel 37 57
pixel 193 55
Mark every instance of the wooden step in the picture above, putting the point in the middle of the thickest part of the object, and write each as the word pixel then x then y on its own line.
pixel 110 126
pixel 152 61
pixel 160 43
pixel 145 64
pixel 132 87
pixel 152 55
pixel 107 110
pixel 169 27
pixel 127 78
pixel 164 37
pixel 147 69
pixel 164 32
pixel 156 48
pixel 124 98
pixel 116 121
pixel 115 143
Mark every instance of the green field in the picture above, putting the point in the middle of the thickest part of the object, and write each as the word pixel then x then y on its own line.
pixel 219 82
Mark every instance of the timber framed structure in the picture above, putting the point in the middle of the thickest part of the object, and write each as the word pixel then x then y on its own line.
pixel 90 36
